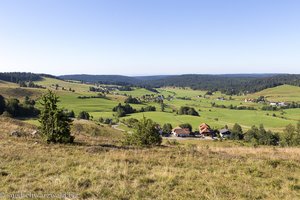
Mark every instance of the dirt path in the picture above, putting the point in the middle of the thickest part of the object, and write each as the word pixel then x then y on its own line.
pixel 116 127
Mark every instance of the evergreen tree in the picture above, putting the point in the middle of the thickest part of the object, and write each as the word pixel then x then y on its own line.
pixel 236 132
pixel 2 104
pixel 55 124
pixel 167 128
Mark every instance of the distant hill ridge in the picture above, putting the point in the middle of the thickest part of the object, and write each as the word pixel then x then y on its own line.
pixel 226 83
pixel 16 77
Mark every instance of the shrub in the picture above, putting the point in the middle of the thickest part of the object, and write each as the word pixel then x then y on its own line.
pixel 167 128
pixel 185 110
pixel 186 125
pixel 84 115
pixel 260 136
pixel 291 135
pixel 123 110
pixel 236 132
pixel 148 109
pixel 2 104
pixel 133 100
pixel 145 134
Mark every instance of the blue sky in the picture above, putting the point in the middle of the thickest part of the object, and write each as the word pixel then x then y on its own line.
pixel 148 37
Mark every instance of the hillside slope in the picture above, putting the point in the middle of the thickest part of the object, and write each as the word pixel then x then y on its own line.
pixel 97 167
pixel 229 84
pixel 285 93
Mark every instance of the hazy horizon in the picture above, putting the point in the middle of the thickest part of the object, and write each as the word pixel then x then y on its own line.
pixel 148 74
pixel 130 37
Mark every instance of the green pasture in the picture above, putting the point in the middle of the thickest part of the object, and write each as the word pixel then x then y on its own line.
pixel 216 117
pixel 286 93
pixel 49 82
pixel 137 92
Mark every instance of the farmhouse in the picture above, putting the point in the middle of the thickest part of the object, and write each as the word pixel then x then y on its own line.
pixel 205 130
pixel 181 132
pixel 249 100
pixel 280 104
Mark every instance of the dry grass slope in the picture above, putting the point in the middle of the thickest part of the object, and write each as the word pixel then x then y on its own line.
pixel 96 167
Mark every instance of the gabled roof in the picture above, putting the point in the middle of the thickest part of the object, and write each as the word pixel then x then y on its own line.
pixel 180 130
pixel 224 130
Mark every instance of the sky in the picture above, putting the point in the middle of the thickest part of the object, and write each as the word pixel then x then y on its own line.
pixel 150 37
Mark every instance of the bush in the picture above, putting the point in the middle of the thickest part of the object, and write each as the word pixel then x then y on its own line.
pixel 84 115
pixel 291 135
pixel 2 104
pixel 167 128
pixel 132 100
pixel 123 110
pixel 186 125
pixel 16 109
pixel 145 134
pixel 148 109
pixel 185 110
pixel 236 132
pixel 259 136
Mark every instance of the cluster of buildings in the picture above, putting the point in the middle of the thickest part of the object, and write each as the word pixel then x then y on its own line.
pixel 263 100
pixel 279 104
pixel 204 131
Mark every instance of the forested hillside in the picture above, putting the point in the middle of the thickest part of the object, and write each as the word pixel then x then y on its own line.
pixel 228 84
pixel 104 79
pixel 16 77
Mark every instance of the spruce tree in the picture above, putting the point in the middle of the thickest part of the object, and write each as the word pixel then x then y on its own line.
pixel 55 124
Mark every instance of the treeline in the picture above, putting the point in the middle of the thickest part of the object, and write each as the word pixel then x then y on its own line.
pixel 95 89
pixel 185 110
pixel 17 77
pixel 287 106
pixel 99 96
pixel 232 107
pixel 260 136
pixel 14 108
pixel 30 84
pixel 123 110
pixel 228 84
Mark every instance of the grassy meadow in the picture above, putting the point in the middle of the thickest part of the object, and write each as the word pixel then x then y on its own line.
pixel 97 166
pixel 216 117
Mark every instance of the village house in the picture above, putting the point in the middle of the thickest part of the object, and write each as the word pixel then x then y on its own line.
pixel 181 132
pixel 224 133
pixel 205 130
pixel 249 100
pixel 281 104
